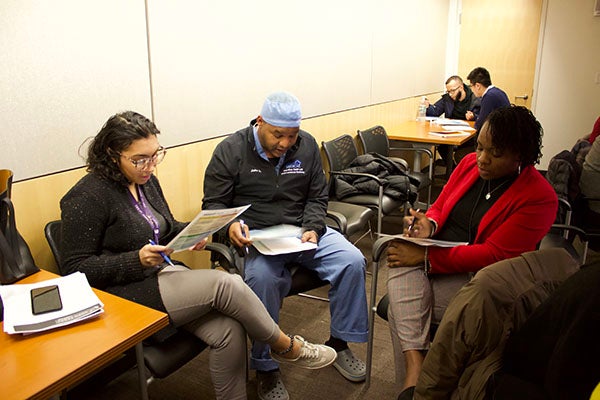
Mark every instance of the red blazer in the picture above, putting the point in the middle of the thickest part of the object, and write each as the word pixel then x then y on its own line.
pixel 513 225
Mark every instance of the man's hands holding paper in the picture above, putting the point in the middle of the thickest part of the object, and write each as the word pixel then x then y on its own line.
pixel 239 235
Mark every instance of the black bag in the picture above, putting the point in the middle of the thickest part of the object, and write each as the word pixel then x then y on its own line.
pixel 16 261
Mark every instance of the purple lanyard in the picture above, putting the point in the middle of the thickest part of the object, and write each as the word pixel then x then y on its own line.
pixel 144 210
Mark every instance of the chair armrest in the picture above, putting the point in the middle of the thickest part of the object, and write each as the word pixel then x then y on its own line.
pixel 415 149
pixel 369 176
pixel 222 256
pixel 379 246
pixel 340 221
pixel 571 228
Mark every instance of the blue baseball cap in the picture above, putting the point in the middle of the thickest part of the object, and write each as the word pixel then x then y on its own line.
pixel 282 109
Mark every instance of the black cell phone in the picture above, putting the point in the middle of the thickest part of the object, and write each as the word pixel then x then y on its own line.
pixel 45 299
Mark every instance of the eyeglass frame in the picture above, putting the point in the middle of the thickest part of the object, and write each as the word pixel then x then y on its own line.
pixel 453 90
pixel 146 161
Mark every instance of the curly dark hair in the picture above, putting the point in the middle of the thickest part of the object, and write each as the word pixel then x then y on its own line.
pixel 515 129
pixel 116 135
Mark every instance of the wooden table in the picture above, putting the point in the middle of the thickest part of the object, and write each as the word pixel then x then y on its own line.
pixel 418 132
pixel 41 365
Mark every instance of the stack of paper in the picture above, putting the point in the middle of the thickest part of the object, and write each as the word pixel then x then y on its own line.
pixel 79 302
pixel 279 239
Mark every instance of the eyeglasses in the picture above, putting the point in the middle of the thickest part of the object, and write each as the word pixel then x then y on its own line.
pixel 144 163
pixel 452 90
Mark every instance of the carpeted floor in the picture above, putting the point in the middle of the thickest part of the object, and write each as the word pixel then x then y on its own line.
pixel 299 315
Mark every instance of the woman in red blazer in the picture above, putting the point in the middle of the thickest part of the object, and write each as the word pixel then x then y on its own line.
pixel 496 201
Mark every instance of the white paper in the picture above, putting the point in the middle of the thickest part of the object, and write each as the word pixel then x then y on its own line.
pixel 78 299
pixel 447 121
pixel 202 226
pixel 279 239
pixel 427 241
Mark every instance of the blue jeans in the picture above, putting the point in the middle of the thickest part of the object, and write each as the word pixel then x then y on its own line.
pixel 335 260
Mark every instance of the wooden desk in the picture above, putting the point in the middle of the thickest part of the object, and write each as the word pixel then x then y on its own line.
pixel 418 132
pixel 42 365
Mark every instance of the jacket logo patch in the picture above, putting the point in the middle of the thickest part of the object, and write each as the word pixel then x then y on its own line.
pixel 255 171
pixel 294 167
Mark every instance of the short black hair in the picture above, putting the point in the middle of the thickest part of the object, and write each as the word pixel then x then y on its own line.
pixel 116 135
pixel 480 75
pixel 515 129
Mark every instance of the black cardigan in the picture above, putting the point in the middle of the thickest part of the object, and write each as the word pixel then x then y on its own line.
pixel 102 234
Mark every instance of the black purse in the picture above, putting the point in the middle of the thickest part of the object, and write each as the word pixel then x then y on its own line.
pixel 16 261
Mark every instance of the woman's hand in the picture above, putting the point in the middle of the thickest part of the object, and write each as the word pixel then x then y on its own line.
pixel 405 254
pixel 150 255
pixel 417 225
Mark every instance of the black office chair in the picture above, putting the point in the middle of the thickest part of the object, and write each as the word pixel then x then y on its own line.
pixel 161 358
pixel 340 152
pixel 375 140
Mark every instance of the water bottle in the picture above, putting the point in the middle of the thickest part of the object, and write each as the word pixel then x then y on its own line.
pixel 422 110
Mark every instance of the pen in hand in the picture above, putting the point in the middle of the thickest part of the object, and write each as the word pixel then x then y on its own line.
pixel 242 227
pixel 162 254
pixel 412 224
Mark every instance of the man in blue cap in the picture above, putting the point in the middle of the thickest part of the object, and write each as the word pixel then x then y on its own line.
pixel 276 167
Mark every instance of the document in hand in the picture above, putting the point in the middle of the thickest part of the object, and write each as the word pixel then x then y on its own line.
pixel 279 239
pixel 79 302
pixel 203 225
pixel 428 241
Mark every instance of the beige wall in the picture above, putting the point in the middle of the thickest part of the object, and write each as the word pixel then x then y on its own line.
pixel 567 97
pixel 181 176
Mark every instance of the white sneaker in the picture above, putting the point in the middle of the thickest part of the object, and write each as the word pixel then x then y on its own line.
pixel 312 356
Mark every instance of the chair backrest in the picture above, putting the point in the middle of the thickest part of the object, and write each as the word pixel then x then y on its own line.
pixel 340 152
pixel 53 233
pixel 375 140
pixel 6 176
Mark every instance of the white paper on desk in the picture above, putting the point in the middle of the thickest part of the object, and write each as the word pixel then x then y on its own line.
pixel 445 134
pixel 203 225
pixel 279 239
pixel 78 299
pixel 427 241
pixel 447 121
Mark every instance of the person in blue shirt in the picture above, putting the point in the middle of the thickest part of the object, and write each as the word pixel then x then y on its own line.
pixel 492 98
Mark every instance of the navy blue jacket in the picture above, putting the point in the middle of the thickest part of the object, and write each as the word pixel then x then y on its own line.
pixel 445 105
pixel 237 175
pixel 492 99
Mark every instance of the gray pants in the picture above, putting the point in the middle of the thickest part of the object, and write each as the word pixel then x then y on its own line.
pixel 415 301
pixel 219 308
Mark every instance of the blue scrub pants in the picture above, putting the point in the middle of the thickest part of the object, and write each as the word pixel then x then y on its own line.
pixel 335 260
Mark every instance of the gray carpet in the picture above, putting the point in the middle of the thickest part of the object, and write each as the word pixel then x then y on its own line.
pixel 299 315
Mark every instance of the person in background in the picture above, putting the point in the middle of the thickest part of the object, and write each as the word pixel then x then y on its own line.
pixel 276 167
pixel 496 202
pixel 589 182
pixel 491 96
pixel 595 131
pixel 455 103
pixel 108 218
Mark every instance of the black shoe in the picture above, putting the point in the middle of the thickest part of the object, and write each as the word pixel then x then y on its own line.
pixel 407 394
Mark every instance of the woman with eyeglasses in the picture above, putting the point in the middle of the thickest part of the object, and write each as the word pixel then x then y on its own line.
pixel 110 216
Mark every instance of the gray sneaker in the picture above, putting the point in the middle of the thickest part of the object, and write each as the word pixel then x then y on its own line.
pixel 270 386
pixel 312 356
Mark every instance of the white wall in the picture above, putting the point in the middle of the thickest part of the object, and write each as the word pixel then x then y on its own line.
pixel 199 68
pixel 567 101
